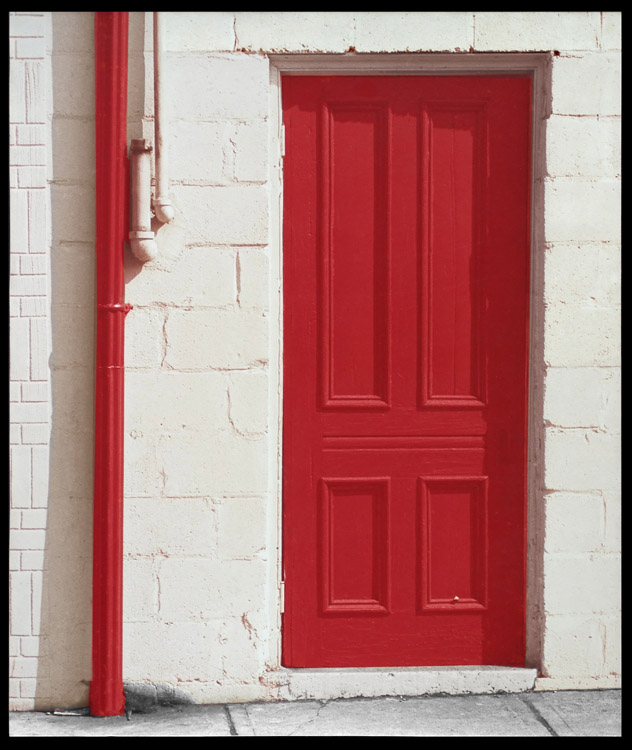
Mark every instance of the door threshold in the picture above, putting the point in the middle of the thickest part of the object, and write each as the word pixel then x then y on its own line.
pixel 373 682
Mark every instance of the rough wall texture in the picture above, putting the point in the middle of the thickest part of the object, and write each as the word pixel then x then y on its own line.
pixel 202 349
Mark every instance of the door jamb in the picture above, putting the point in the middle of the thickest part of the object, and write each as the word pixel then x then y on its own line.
pixel 538 67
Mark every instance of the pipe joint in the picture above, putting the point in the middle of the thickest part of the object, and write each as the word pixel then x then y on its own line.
pixel 141 237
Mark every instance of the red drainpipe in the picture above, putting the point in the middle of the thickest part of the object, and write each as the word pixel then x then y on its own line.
pixel 107 697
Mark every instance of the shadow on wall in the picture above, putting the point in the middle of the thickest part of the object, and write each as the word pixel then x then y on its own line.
pixel 66 611
pixel 65 616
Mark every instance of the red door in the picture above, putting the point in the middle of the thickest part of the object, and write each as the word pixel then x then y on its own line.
pixel 406 287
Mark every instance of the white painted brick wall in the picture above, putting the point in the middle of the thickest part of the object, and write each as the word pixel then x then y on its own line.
pixel 201 482
pixel 30 340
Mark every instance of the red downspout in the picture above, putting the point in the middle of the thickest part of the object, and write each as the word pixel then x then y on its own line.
pixel 107 697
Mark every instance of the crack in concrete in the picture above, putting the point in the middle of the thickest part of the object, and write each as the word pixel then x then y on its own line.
pixel 535 711
pixel 231 726
pixel 301 727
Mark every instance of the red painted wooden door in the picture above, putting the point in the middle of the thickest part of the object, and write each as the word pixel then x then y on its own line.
pixel 406 268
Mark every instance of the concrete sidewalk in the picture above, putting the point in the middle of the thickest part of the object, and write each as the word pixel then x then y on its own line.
pixel 580 713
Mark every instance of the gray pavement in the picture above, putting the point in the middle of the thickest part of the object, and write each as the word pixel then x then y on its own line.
pixel 572 713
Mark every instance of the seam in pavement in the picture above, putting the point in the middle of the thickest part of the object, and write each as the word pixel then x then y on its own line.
pixel 231 725
pixel 535 711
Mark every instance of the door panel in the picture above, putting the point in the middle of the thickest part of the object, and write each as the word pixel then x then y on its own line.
pixel 406 266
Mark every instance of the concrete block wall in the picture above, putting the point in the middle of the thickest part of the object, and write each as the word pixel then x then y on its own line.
pixel 202 498
pixel 582 376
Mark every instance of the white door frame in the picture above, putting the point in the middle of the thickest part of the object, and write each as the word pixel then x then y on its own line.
pixel 290 683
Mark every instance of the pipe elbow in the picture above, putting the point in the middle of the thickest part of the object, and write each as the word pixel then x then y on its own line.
pixel 143 247
pixel 163 209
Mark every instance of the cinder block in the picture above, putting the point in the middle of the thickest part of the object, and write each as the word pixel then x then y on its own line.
pixel 203 276
pixel 575 584
pixel 34 519
pixel 197 151
pixel 20 476
pixel 242 652
pixel 574 396
pixel 254 278
pixel 583 273
pixel 31 135
pixel 221 463
pixel 294 31
pixel 14 692
pixel 413 32
pixel 199 31
pixel 583 147
pixel 32 560
pixel 574 522
pixel 572 646
pixel 242 528
pixel 20 603
pixel 249 142
pixel 27 156
pixel 29 688
pixel 581 211
pixel 536 31
pixel 582 336
pixel 74 142
pixel 611 32
pixel 188 651
pixel 19 348
pixel 17 91
pixel 40 350
pixel 581 460
pixel 142 477
pixel 144 338
pixel 74 211
pixel 612 645
pixel 19 224
pixel 31 24
pixel 15 518
pixel 74 343
pixel 611 395
pixel 30 646
pixel 32 177
pixel 76 100
pixel 15 434
pixel 40 476
pixel 37 94
pixel 222 215
pixel 28 539
pixel 216 339
pixel 34 392
pixel 71 470
pixel 21 666
pixel 28 285
pixel 170 401
pixel 189 589
pixel 73 32
pixel 248 402
pixel 39 221
pixel 15 391
pixel 33 264
pixel 613 526
pixel 226 86
pixel 184 526
pixel 140 589
pixel 588 84
pixel 73 278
